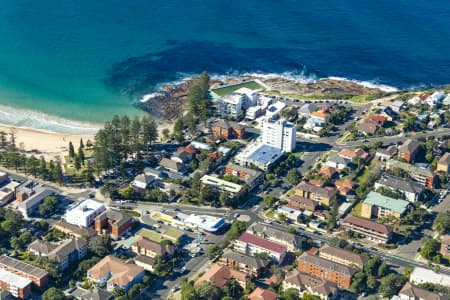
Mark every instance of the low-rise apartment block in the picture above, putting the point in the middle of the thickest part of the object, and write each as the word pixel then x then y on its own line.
pixel 291 241
pixel 371 230
pixel 410 189
pixel 326 269
pixel 251 177
pixel 409 150
pixel 254 266
pixel 423 176
pixel 379 206
pixel 323 195
pixel 150 248
pixel 307 284
pixel 114 273
pixel 343 256
pixel 219 276
pixel 113 222
pixel 250 244
pixel 64 254
pixel 18 286
pixel 37 275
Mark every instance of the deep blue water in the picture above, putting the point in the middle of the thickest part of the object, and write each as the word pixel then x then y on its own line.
pixel 86 60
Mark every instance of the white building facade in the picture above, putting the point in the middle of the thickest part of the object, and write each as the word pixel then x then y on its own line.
pixel 279 134
pixel 84 213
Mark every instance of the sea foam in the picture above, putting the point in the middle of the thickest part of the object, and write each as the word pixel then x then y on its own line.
pixel 28 119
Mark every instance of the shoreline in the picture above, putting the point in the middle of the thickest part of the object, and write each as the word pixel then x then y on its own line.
pixel 51 145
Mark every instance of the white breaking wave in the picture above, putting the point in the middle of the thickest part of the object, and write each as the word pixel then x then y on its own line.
pixel 147 97
pixel 29 119
pixel 367 84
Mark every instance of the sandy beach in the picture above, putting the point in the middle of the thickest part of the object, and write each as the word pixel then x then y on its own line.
pixel 53 145
pixel 47 144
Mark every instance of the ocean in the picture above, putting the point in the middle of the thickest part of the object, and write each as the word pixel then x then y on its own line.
pixel 68 65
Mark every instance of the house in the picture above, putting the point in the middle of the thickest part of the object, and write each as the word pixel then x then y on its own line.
pixel 251 177
pixel 250 244
pixel 38 276
pixel 301 203
pixel 343 256
pixel 368 128
pixel 95 293
pixel 443 163
pixel 435 98
pixel 252 265
pixel 227 129
pixel 325 269
pixel 262 294
pixel 409 150
pixel 145 262
pixel 388 113
pixel 30 205
pixel 142 181
pixel 319 116
pixel 113 222
pixel 410 189
pixel 371 230
pixel 306 284
pixel 64 254
pixel 421 275
pixel 412 292
pixel 84 212
pixel 376 120
pixel 337 162
pixel 115 273
pixel 423 176
pixel 291 241
pixel 328 172
pixel 220 276
pixel 150 248
pixel 418 99
pixel 323 195
pixel 445 245
pixel 351 154
pixel 172 165
pixel 182 157
pixel 380 206
pixel 386 154
pixel 397 106
pixel 307 109
pixel 290 213
pixel 344 187
pixel 16 285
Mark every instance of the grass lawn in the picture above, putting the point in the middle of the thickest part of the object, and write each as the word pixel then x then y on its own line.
pixel 223 91
pixel 356 211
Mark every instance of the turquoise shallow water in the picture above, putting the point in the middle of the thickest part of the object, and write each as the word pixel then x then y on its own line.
pixel 87 60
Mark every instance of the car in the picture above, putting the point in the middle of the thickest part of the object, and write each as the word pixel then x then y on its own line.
pixel 236 215
pixel 174 289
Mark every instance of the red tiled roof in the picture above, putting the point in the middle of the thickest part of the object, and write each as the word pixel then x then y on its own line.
pixel 220 275
pixel 214 155
pixel 257 241
pixel 262 294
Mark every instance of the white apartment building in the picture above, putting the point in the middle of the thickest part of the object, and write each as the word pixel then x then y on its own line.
pixel 84 212
pixel 279 134
pixel 230 105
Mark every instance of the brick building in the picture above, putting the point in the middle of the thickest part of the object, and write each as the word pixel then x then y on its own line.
pixel 326 269
pixel 37 275
pixel 113 222
pixel 227 129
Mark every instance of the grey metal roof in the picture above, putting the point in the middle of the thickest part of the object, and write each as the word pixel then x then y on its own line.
pixel 15 264
pixel 400 184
